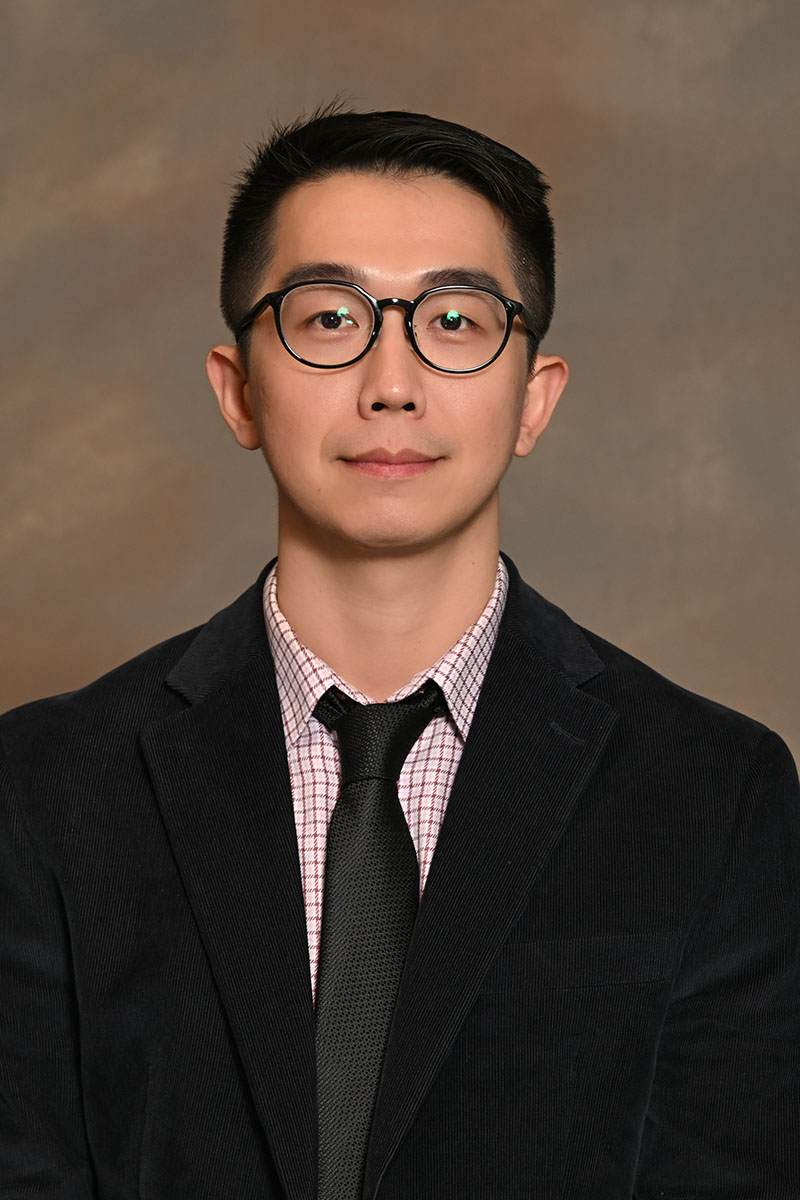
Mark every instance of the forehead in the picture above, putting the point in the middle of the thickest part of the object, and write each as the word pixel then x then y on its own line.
pixel 391 229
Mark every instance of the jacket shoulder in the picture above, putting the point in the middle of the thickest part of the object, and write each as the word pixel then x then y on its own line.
pixel 128 694
pixel 651 708
pixel 155 683
pixel 667 720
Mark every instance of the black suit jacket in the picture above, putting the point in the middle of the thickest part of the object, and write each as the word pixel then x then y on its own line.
pixel 601 995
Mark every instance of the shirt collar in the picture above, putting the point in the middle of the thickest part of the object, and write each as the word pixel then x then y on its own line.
pixel 302 677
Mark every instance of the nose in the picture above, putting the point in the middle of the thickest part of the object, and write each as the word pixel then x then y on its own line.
pixel 391 371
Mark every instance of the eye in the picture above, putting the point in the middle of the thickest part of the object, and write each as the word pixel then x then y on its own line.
pixel 334 319
pixel 452 320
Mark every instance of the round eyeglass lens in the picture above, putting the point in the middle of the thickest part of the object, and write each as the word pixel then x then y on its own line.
pixel 461 328
pixel 326 324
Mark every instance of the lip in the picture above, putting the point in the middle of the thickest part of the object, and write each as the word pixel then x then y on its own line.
pixel 391 456
pixel 391 464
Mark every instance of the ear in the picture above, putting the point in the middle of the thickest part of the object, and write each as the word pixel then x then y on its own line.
pixel 543 389
pixel 228 379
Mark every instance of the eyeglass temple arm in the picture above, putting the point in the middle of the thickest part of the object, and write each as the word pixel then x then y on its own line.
pixel 255 312
pixel 520 311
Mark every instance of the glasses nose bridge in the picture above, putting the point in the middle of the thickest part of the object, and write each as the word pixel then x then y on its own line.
pixel 395 302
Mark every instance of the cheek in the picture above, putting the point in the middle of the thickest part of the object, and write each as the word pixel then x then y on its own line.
pixel 280 434
pixel 491 420
pixel 280 417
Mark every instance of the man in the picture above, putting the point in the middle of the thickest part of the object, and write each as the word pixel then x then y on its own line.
pixel 215 982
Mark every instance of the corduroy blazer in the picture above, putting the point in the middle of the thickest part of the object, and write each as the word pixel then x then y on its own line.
pixel 601 995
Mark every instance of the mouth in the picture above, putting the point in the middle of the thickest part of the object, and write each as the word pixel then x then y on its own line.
pixel 388 464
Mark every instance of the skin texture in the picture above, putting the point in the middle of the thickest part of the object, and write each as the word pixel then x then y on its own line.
pixel 383 563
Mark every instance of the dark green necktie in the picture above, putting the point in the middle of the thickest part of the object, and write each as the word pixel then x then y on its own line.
pixel 370 903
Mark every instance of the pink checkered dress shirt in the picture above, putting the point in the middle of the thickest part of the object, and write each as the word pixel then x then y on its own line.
pixel 427 776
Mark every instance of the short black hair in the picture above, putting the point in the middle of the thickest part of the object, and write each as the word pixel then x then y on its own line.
pixel 334 139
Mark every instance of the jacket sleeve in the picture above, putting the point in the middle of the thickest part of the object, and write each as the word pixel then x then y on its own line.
pixel 724 1115
pixel 43 1150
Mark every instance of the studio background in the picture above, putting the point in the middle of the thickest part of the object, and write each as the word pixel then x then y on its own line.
pixel 660 509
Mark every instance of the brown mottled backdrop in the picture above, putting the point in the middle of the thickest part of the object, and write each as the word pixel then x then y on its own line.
pixel 662 507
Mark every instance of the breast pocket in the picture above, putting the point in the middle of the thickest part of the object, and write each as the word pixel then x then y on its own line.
pixel 570 963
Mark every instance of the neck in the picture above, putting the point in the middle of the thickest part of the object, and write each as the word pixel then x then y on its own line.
pixel 379 619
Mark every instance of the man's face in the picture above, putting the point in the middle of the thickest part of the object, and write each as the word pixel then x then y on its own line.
pixel 387 454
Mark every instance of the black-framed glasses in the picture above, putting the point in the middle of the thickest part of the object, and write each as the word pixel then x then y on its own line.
pixel 328 323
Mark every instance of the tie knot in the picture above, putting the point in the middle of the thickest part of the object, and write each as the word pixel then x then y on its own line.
pixel 374 739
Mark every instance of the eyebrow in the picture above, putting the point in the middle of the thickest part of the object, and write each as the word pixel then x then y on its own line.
pixel 461 277
pixel 440 277
pixel 310 271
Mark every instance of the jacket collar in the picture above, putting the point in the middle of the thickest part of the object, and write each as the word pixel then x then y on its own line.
pixel 233 636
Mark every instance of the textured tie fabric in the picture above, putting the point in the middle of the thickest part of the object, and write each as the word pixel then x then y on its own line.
pixel 370 903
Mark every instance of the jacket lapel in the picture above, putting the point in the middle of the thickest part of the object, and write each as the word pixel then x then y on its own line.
pixel 535 740
pixel 221 778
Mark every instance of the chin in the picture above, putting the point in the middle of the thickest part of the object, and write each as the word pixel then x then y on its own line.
pixel 385 538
